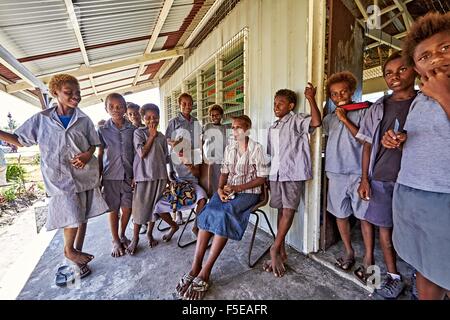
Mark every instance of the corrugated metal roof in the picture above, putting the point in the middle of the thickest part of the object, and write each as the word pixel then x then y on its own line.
pixel 36 27
pixel 116 52
pixel 179 11
pixel 105 21
pixel 40 34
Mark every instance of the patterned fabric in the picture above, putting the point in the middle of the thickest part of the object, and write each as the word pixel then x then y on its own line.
pixel 179 194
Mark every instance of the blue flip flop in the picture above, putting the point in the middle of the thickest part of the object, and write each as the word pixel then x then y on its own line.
pixel 64 275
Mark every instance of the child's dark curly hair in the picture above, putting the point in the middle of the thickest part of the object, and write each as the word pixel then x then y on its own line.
pixel 57 81
pixel 290 95
pixel 396 55
pixel 424 28
pixel 344 76
pixel 149 107
pixel 133 106
pixel 185 95
pixel 215 107
pixel 117 96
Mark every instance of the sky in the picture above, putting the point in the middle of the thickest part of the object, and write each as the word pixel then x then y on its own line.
pixel 21 110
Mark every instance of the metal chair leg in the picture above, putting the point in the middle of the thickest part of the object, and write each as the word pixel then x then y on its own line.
pixel 159 226
pixel 252 242
pixel 184 229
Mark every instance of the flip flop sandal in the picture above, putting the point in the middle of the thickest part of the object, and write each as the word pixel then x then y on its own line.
pixel 84 271
pixel 345 264
pixel 197 285
pixel 185 280
pixel 361 274
pixel 64 275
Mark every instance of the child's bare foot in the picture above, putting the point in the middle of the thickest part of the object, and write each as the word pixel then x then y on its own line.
pixel 151 241
pixel 267 265
pixel 278 267
pixel 78 257
pixel 169 235
pixel 117 250
pixel 125 241
pixel 131 249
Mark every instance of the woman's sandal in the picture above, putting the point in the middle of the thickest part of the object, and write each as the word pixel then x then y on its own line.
pixel 345 264
pixel 197 285
pixel 184 282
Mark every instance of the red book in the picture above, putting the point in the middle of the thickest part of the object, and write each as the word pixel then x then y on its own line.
pixel 355 106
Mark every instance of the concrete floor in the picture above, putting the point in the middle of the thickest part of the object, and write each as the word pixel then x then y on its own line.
pixel 328 259
pixel 154 273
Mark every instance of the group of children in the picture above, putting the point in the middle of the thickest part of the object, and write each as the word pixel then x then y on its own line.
pixel 373 172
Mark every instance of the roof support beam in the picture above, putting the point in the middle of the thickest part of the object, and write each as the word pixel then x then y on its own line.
pixel 384 38
pixel 155 33
pixel 94 99
pixel 8 60
pixel 408 20
pixel 76 29
pixel 376 44
pixel 107 67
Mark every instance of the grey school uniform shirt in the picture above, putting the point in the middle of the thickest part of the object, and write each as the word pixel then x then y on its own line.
pixel 153 166
pixel 118 156
pixel 386 161
pixel 426 152
pixel 58 146
pixel 190 130
pixel 343 152
pixel 288 147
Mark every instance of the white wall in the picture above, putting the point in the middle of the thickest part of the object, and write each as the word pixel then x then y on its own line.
pixel 277 58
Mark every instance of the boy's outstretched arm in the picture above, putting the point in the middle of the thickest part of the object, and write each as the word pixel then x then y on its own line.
pixel 310 94
pixel 10 138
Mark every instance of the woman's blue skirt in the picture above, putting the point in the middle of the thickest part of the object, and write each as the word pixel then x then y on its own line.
pixel 227 219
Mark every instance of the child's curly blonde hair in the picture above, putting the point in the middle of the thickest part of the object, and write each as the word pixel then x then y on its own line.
pixel 57 81
pixel 344 76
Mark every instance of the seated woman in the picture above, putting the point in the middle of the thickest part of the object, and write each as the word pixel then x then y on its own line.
pixel 226 215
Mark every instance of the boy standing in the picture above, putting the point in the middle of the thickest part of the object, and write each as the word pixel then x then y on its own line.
pixel 215 141
pixel 288 146
pixel 343 162
pixel 116 156
pixel 380 168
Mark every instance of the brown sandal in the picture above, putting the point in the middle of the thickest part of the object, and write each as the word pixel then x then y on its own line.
pixel 361 274
pixel 345 264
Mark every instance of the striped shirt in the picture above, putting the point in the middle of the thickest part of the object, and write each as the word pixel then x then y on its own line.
pixel 244 168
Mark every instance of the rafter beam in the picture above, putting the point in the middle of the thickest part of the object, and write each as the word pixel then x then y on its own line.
pixel 362 10
pixel 155 33
pixel 376 44
pixel 9 61
pixel 384 38
pixel 121 90
pixel 387 9
pixel 76 29
pixel 107 67
pixel 407 18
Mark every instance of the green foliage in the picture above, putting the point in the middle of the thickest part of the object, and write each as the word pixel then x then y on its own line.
pixel 37 158
pixel 15 172
pixel 40 186
pixel 10 194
